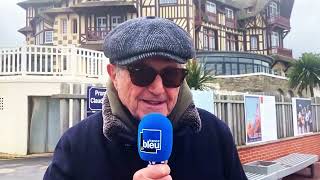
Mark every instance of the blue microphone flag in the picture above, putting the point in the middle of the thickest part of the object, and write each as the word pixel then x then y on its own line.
pixel 155 136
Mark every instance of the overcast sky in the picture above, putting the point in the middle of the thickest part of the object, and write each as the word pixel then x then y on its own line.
pixel 304 35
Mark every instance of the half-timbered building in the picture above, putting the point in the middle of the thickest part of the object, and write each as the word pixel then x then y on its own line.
pixel 255 26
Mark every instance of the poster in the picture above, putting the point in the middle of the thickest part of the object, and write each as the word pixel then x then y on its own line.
pixel 302 116
pixel 260 118
pixel 253 119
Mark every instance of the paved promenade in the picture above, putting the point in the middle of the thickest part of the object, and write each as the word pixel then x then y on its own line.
pixel 316 171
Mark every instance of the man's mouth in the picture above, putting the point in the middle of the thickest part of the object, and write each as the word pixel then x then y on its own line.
pixel 151 102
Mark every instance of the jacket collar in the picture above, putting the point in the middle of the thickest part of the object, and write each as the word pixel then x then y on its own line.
pixel 119 123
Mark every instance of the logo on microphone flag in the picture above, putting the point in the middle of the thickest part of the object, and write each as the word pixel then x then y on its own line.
pixel 150 141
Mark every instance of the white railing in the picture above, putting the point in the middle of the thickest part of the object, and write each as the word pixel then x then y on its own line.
pixel 52 61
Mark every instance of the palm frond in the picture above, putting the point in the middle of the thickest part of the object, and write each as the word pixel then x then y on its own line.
pixel 199 77
pixel 305 73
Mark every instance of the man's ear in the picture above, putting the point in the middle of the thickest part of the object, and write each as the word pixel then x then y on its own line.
pixel 111 71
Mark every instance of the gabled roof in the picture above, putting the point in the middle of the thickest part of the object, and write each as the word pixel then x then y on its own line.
pixel 58 10
pixel 258 5
pixel 103 3
pixel 25 30
pixel 230 3
pixel 26 3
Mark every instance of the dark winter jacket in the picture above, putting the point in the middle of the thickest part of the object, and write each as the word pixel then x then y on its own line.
pixel 104 147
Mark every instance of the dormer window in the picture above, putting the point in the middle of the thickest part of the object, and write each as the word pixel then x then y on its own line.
pixel 273 9
pixel 229 13
pixel 211 7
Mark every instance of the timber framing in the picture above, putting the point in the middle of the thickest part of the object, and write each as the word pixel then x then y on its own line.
pixel 214 25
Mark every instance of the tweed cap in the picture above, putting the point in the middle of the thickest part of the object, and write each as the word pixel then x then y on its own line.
pixel 147 37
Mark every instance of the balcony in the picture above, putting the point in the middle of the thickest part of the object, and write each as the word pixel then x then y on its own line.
pixel 231 23
pixel 94 34
pixel 282 51
pixel 58 61
pixel 279 21
pixel 211 18
pixel 205 17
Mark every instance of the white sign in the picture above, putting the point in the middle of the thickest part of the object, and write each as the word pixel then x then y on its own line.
pixel 203 100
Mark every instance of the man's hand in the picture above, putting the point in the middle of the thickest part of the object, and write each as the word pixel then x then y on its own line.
pixel 153 172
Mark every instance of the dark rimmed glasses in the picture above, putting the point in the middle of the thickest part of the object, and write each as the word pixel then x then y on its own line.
pixel 144 75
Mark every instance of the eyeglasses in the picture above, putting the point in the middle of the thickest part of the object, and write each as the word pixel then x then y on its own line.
pixel 143 76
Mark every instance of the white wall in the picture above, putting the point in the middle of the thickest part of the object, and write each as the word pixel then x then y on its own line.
pixel 14 116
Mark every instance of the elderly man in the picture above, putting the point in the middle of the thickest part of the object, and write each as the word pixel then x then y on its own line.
pixel 146 75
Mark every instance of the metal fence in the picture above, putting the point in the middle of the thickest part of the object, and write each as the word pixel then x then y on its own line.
pixel 230 109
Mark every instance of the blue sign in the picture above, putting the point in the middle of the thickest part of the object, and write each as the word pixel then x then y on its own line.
pixel 94 99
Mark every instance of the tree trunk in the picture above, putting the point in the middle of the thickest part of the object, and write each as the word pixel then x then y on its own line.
pixel 311 91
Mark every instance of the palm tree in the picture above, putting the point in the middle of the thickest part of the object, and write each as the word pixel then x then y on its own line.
pixel 199 77
pixel 305 73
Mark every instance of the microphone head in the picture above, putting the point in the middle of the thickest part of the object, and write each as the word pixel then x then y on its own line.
pixel 155 136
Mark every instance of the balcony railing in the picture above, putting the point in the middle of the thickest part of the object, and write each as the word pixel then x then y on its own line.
pixel 52 61
pixel 94 34
pixel 282 51
pixel 231 23
pixel 279 21
pixel 206 17
pixel 212 18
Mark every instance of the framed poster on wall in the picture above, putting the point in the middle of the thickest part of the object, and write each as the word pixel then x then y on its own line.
pixel 260 118
pixel 302 116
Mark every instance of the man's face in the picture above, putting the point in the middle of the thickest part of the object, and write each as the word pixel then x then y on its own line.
pixel 143 100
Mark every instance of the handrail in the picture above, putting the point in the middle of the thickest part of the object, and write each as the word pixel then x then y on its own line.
pixel 52 61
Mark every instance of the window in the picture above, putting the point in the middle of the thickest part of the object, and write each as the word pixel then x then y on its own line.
pixel 234 69
pixel 231 42
pixel 249 68
pixel 275 39
pixel 254 42
pixel 273 8
pixel 209 40
pixel 228 69
pixel 101 23
pixel 242 68
pixel 64 26
pixel 48 36
pixel 115 20
pixel 211 7
pixel 219 70
pixel 74 26
pixel 205 39
pixel 212 43
pixel 229 13
pixel 168 1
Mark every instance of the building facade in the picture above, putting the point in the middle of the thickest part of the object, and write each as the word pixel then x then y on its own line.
pixel 255 26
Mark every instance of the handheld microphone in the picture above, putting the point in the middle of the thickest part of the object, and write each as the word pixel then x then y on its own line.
pixel 155 136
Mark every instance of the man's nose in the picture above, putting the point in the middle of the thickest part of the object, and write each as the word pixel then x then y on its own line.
pixel 156 87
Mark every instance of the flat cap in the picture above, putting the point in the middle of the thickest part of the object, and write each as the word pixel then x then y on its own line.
pixel 147 37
